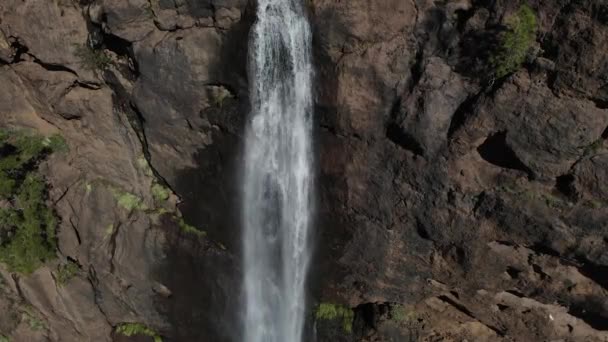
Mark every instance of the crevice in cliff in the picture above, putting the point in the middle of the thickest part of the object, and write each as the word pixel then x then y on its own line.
pixel 417 69
pixel 122 48
pixel 334 131
pixel 597 273
pixel 76 233
pixel 541 249
pixel 122 101
pixel 600 103
pixel 565 185
pixel 94 282
pixel 52 67
pixel 15 278
pixel 21 50
pixel 113 246
pixel 456 305
pixel 496 151
pixel 139 118
pixel 590 311
pixel 460 307
pixel 462 113
pixel 422 232
pixel 401 138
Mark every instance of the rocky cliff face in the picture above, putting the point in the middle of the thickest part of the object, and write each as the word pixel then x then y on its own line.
pixel 457 201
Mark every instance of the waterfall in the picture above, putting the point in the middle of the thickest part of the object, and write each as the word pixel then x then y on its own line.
pixel 277 181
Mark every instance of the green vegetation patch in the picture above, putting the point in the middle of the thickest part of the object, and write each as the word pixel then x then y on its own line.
pixel 4 339
pixel 67 271
pixel 34 322
pixel 143 164
pixel 399 314
pixel 56 143
pixel 160 193
pixel 134 329
pixel 128 200
pixel 27 224
pixel 92 59
pixel 189 229
pixel 332 312
pixel 516 42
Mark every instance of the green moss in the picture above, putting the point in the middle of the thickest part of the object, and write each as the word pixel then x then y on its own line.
pixel 128 200
pixel 516 42
pixel 134 329
pixel 56 143
pixel 400 314
pixel 92 59
pixel 67 271
pixel 332 312
pixel 109 230
pixel 594 204
pixel 160 193
pixel 88 187
pixel 143 164
pixel 35 323
pixel 594 147
pixel 190 229
pixel 219 95
pixel 553 201
pixel 4 339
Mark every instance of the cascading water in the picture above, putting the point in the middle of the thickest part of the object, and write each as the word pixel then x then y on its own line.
pixel 278 174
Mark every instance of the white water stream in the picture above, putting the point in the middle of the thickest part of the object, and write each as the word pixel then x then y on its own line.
pixel 277 182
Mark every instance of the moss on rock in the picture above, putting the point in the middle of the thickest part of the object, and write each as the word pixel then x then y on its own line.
pixel 334 312
pixel 135 329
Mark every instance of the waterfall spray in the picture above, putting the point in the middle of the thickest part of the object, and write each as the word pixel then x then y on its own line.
pixel 277 182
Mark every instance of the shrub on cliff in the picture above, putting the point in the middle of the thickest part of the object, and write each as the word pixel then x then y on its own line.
pixel 515 43
pixel 92 59
pixel 27 224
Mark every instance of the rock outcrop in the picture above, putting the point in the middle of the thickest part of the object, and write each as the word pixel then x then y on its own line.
pixel 454 204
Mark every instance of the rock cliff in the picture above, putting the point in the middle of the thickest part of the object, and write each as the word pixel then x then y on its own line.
pixel 462 168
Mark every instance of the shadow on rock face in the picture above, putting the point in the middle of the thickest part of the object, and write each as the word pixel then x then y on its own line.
pixel 210 191
pixel 204 282
pixel 203 272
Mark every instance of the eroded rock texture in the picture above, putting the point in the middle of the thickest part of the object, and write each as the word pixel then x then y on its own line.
pixel 451 206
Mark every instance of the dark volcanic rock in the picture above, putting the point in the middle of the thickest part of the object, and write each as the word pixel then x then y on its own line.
pixel 451 205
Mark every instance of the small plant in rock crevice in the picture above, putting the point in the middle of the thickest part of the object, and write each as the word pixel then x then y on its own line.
pixel 400 314
pixel 137 329
pixel 34 322
pixel 92 59
pixel 65 272
pixel 160 193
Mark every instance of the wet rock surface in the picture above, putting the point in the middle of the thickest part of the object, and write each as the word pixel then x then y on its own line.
pixel 452 205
